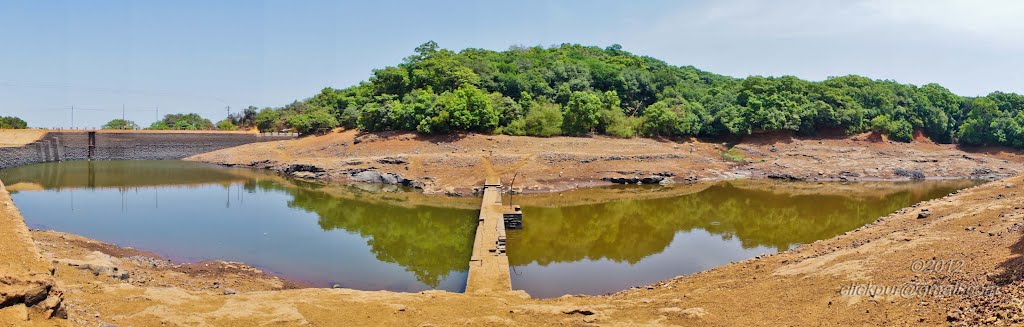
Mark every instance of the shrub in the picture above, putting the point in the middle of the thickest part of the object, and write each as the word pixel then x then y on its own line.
pixel 543 119
pixel 317 121
pixel 12 123
pixel 226 125
pixel 120 124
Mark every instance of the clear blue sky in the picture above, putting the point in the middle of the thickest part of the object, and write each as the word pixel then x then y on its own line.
pixel 201 56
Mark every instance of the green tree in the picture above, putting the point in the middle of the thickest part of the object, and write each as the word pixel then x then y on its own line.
pixel 244 119
pixel 190 121
pixel 120 124
pixel 582 113
pixel 226 125
pixel 267 120
pixel 542 119
pixel 614 92
pixel 316 121
pixel 10 122
pixel 978 127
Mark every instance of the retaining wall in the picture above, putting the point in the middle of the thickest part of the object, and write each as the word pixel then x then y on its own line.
pixel 109 145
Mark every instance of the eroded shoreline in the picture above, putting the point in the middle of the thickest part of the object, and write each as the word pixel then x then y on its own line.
pixel 457 165
pixel 980 225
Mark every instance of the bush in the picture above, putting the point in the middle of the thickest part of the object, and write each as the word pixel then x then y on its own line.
pixel 897 130
pixel 313 122
pixel 582 113
pixel 615 123
pixel 159 125
pixel 12 123
pixel 190 121
pixel 226 125
pixel 542 120
pixel 267 120
pixel 120 124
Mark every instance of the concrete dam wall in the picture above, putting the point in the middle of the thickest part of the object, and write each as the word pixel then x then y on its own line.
pixel 125 145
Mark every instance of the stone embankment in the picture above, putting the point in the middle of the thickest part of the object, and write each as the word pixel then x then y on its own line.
pixel 124 145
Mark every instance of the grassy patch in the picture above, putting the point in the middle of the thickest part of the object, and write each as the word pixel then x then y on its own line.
pixel 734 155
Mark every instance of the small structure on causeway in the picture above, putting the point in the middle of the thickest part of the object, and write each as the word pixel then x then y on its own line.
pixel 514 218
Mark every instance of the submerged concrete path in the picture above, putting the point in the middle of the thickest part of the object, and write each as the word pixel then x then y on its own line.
pixel 488 268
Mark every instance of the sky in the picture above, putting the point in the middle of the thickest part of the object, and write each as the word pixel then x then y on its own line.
pixel 179 56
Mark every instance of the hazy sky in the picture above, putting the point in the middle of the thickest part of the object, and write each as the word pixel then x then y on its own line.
pixel 201 56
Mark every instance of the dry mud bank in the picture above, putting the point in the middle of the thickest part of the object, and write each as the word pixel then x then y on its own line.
pixel 824 283
pixel 458 164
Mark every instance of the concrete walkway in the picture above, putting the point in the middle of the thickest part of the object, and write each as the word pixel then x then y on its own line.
pixel 488 268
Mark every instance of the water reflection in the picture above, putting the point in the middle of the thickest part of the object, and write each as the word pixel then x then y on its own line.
pixel 192 211
pixel 587 241
pixel 575 248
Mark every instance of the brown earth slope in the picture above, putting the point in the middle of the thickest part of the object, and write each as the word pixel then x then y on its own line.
pixel 459 164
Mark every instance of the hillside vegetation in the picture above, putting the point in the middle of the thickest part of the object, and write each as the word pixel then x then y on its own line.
pixel 576 90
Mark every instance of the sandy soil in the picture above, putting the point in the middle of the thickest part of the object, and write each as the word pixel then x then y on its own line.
pixel 458 164
pixel 19 137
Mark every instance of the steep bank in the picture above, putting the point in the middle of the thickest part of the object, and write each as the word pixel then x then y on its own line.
pixel 979 229
pixel 458 164
pixel 28 289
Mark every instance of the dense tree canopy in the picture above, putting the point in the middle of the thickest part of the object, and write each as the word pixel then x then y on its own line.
pixel 576 90
pixel 11 122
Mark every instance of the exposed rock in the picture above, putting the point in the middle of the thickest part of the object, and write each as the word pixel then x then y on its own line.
pixel 924 214
pixel 783 176
pixel 694 312
pixel 635 180
pixel 585 312
pixel 230 291
pixel 913 174
pixel 14 313
pixel 848 174
pixel 372 176
pixel 290 169
pixel 97 262
pixel 982 171
pixel 393 161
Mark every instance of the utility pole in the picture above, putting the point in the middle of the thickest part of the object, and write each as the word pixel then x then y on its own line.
pixel 123 122
pixel 229 111
pixel 72 116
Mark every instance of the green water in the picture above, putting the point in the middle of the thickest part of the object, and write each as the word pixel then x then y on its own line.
pixel 589 241
pixel 191 211
pixel 607 247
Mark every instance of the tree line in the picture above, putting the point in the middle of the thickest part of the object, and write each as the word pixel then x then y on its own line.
pixel 577 90
pixel 191 121
pixel 9 122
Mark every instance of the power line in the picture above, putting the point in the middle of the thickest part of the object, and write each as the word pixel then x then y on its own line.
pixel 111 90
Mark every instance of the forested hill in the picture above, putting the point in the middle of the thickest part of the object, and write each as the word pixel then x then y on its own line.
pixel 575 90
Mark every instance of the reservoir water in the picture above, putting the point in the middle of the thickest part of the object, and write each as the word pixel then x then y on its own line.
pixel 372 237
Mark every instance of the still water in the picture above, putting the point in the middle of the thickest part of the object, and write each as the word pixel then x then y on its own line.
pixel 589 241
